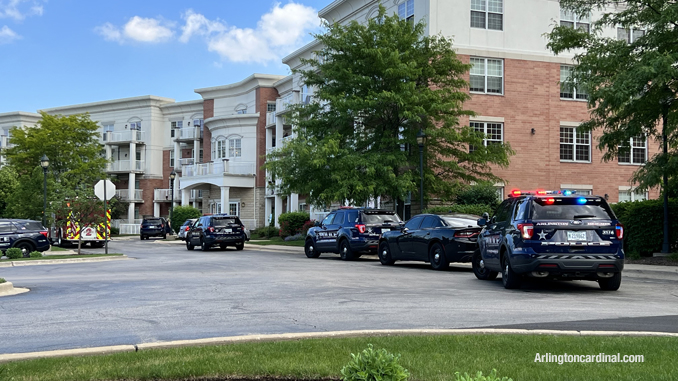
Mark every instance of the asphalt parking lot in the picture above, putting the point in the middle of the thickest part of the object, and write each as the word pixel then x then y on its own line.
pixel 164 292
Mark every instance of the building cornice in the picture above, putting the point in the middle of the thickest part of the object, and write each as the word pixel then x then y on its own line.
pixel 234 120
pixel 111 105
pixel 19 116
pixel 293 59
pixel 250 83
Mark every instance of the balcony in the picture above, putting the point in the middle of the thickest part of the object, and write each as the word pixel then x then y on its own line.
pixel 185 162
pixel 187 134
pixel 270 118
pixel 136 196
pixel 220 168
pixel 124 137
pixel 126 166
pixel 4 142
pixel 160 195
pixel 283 104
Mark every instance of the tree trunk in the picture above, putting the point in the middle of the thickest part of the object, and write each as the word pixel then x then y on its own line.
pixel 665 244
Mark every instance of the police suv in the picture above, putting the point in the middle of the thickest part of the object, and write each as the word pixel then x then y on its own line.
pixel 350 232
pixel 551 234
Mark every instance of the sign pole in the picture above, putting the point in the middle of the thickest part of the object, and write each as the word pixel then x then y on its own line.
pixel 105 220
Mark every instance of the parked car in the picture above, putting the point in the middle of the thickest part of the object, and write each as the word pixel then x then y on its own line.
pixel 185 228
pixel 219 229
pixel 437 239
pixel 26 235
pixel 154 227
pixel 350 232
pixel 551 235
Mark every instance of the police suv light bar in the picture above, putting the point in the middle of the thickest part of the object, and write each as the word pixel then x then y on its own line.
pixel 541 192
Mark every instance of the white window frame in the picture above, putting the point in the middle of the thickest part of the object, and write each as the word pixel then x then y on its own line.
pixel 270 107
pixel 633 147
pixel 234 147
pixel 237 208
pixel 577 22
pixel 483 6
pixel 633 194
pixel 406 10
pixel 485 74
pixel 630 34
pixel 577 93
pixel 574 144
pixel 106 128
pixel 171 158
pixel 481 126
pixel 135 126
pixel 219 148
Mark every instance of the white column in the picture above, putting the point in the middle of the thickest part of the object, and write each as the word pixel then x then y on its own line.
pixel 268 209
pixel 156 209
pixel 278 131
pixel 225 194
pixel 185 197
pixel 293 202
pixel 130 212
pixel 278 209
pixel 196 151
pixel 130 191
pixel 177 154
pixel 132 157
pixel 109 151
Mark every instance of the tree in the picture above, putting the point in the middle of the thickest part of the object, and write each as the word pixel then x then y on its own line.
pixel 81 209
pixel 631 84
pixel 376 86
pixel 70 142
pixel 26 201
pixel 8 184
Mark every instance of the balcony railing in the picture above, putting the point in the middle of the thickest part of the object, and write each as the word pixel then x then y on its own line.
pixel 124 194
pixel 188 133
pixel 270 118
pixel 166 195
pixel 220 168
pixel 283 104
pixel 126 166
pixel 131 136
pixel 185 162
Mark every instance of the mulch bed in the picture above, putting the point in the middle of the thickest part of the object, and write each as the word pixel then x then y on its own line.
pixel 657 261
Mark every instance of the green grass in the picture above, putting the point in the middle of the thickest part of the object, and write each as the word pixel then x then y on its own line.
pixel 48 257
pixel 426 357
pixel 57 248
pixel 276 241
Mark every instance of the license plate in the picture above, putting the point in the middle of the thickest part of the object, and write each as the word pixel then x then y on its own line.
pixel 384 230
pixel 576 236
pixel 228 230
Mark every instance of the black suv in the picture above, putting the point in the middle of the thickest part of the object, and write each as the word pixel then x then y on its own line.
pixel 350 232
pixel 551 235
pixel 154 227
pixel 218 229
pixel 26 235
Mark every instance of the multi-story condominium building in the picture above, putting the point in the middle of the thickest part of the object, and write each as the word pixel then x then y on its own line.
pixel 217 145
pixel 11 119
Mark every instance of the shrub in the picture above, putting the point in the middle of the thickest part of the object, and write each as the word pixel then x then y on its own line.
pixel 643 226
pixel 374 365
pixel 14 253
pixel 265 232
pixel 484 193
pixel 477 209
pixel 479 377
pixel 295 237
pixel 292 223
pixel 115 231
pixel 35 254
pixel 182 213
pixel 307 225
pixel 2 280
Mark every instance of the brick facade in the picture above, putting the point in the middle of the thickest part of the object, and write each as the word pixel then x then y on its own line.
pixel 207 112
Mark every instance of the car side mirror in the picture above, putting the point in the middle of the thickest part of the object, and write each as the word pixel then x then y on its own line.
pixel 316 223
pixel 482 221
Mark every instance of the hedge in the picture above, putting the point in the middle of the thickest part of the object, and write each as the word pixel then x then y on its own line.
pixel 182 213
pixel 477 209
pixel 644 226
pixel 292 223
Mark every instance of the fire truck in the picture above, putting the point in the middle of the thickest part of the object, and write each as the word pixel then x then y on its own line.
pixel 67 232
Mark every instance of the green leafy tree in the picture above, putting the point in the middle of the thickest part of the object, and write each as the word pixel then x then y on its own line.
pixel 376 86
pixel 631 85
pixel 26 201
pixel 182 213
pixel 8 184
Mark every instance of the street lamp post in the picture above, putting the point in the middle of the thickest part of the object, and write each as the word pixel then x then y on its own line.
pixel 421 140
pixel 44 163
pixel 173 176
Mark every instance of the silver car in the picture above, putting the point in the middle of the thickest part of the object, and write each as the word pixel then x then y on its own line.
pixel 186 227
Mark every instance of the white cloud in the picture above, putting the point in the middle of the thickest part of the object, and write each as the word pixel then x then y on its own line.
pixel 278 32
pixel 14 9
pixel 137 29
pixel 7 35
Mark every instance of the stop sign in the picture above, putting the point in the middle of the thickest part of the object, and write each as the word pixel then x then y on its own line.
pixel 99 189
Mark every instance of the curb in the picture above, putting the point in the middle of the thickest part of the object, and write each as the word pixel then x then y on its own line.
pixel 317 335
pixel 61 261
pixel 8 289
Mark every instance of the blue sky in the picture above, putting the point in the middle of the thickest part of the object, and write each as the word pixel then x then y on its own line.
pixel 63 52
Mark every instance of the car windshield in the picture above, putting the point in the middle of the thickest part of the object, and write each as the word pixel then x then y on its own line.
pixel 30 225
pixel 570 209
pixel 225 221
pixel 153 221
pixel 187 223
pixel 380 218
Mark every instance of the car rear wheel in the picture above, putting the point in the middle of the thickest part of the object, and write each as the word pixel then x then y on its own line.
pixel 437 257
pixel 309 249
pixel 481 272
pixel 189 245
pixel 345 251
pixel 141 237
pixel 204 246
pixel 240 245
pixel 509 278
pixel 385 254
pixel 610 284
pixel 26 248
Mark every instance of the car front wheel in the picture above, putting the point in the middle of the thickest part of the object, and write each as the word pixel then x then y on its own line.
pixel 385 254
pixel 189 245
pixel 310 250
pixel 240 245
pixel 481 272
pixel 203 245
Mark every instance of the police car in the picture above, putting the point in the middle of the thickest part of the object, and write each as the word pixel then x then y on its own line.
pixel 350 232
pixel 551 234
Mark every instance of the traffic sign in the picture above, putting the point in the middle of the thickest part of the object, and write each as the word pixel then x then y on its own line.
pixel 99 189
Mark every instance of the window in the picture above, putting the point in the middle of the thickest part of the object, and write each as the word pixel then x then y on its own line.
pixel 575 145
pixel 430 222
pixel 406 10
pixel 569 89
pixel 494 133
pixel 504 211
pixel 177 124
pixel 629 35
pixel 328 220
pixel 234 149
pixel 242 109
pixel 487 14
pixel 138 155
pixel 580 192
pixel 414 223
pixel 270 107
pixel 569 19
pixel 135 126
pixel 218 149
pixel 197 122
pixel 632 195
pixel 635 152
pixel 107 128
pixel 487 75
pixel 234 208
pixel 171 161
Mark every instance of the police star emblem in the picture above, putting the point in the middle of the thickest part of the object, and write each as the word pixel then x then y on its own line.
pixel 542 235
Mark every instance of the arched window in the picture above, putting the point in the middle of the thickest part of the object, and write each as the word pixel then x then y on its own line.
pixel 241 109
pixel 219 148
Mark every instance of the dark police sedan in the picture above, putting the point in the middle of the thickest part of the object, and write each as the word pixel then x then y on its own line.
pixel 437 239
